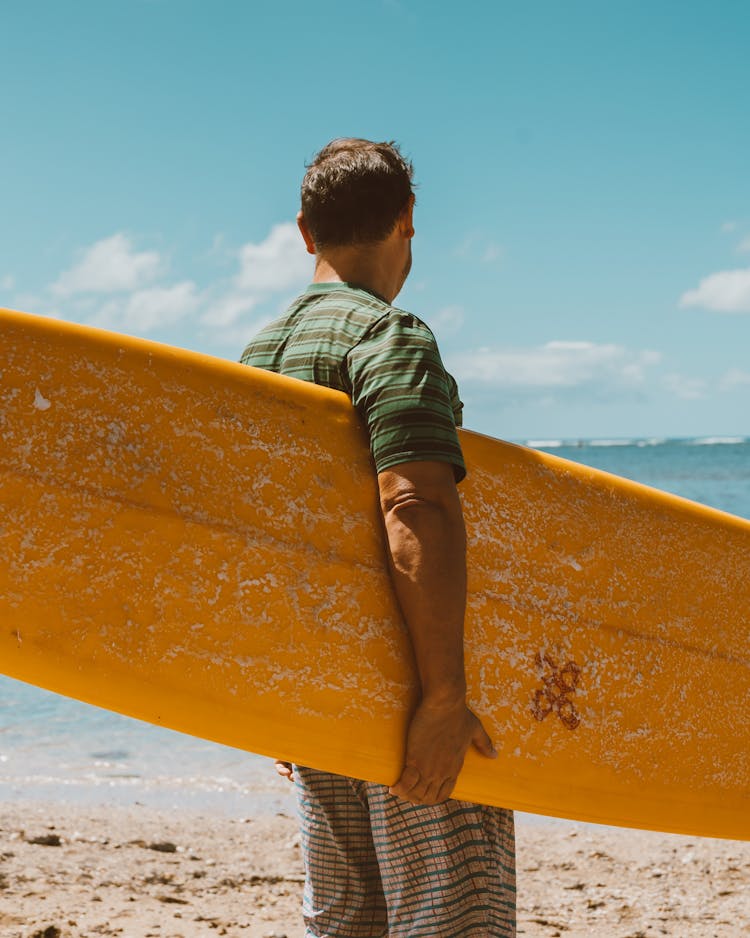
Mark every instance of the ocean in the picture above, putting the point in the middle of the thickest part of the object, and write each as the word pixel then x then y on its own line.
pixel 56 749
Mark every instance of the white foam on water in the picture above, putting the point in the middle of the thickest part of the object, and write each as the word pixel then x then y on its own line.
pixel 545 444
pixel 718 440
pixel 611 442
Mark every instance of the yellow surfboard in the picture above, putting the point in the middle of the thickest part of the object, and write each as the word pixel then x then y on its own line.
pixel 197 544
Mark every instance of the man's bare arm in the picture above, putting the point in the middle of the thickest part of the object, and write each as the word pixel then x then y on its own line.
pixel 427 551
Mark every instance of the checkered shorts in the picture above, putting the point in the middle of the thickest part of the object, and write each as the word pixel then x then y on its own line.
pixel 377 866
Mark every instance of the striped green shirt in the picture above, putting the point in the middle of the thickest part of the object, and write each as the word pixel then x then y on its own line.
pixel 385 359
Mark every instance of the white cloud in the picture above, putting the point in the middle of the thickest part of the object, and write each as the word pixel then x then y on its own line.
pixel 464 247
pixel 729 226
pixel 109 266
pixel 733 379
pixel 448 320
pixel 744 246
pixel 275 264
pixel 116 286
pixel 149 309
pixel 559 365
pixel 235 337
pixel 475 246
pixel 7 282
pixel 687 389
pixel 493 253
pixel 227 308
pixel 272 266
pixel 30 303
pixel 727 291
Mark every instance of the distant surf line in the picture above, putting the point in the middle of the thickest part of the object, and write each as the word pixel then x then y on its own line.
pixel 635 441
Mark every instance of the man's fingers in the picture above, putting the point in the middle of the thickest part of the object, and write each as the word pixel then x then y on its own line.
pixel 423 794
pixel 431 794
pixel 483 744
pixel 284 769
pixel 446 790
pixel 436 745
pixel 410 787
pixel 408 779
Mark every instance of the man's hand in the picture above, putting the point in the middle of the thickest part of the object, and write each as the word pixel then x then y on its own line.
pixel 437 741
pixel 284 769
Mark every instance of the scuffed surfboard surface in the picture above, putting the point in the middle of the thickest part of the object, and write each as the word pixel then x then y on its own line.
pixel 197 544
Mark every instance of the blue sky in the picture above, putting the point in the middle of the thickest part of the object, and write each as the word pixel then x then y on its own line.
pixel 583 217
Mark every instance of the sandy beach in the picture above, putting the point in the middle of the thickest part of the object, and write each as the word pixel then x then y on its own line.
pixel 78 872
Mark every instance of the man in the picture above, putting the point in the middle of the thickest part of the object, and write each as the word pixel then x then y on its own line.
pixel 405 860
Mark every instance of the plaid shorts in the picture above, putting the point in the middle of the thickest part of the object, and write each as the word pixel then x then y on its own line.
pixel 377 866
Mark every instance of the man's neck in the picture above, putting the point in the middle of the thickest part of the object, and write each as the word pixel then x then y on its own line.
pixel 364 268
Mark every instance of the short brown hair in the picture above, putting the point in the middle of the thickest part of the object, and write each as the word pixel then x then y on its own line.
pixel 354 191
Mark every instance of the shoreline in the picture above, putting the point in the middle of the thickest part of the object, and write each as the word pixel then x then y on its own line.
pixel 77 871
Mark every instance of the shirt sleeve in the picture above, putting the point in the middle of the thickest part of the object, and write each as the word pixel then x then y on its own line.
pixel 402 391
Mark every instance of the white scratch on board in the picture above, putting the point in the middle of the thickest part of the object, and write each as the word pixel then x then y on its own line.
pixel 40 401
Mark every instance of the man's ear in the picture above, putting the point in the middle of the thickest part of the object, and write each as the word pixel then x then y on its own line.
pixel 305 232
pixel 406 221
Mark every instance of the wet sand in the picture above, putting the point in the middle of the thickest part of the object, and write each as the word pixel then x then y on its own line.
pixel 78 872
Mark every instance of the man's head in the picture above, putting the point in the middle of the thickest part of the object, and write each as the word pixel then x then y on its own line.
pixel 354 192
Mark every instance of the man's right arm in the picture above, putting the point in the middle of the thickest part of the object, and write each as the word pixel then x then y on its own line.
pixel 426 542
